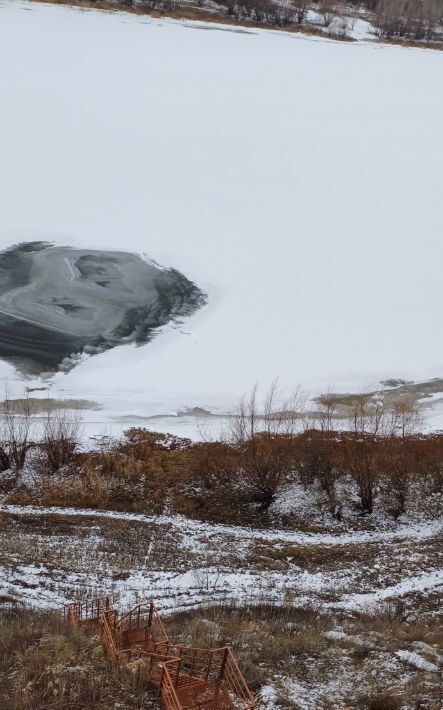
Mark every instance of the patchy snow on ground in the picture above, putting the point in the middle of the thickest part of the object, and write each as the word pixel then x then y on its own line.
pixel 183 563
pixel 424 582
pixel 268 696
pixel 417 661
pixel 349 647
pixel 194 528
pixel 295 179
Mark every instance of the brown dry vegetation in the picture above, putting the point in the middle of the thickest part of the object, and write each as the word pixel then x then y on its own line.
pixel 272 642
pixel 233 481
pixel 44 663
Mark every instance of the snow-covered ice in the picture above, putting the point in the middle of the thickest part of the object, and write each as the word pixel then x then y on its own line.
pixel 295 179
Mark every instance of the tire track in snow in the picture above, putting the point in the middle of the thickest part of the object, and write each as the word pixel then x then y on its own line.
pixel 187 526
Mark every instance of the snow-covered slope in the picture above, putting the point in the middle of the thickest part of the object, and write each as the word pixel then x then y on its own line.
pixel 296 180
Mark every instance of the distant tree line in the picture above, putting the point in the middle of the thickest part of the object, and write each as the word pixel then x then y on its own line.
pixel 411 19
pixel 420 20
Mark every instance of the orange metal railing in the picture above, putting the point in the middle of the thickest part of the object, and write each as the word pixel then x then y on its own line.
pixel 107 627
pixel 144 617
pixel 87 612
pixel 169 697
pixel 235 682
pixel 184 676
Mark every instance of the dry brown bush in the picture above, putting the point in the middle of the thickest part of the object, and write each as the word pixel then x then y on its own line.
pixel 263 436
pixel 16 432
pixel 236 480
pixel 61 431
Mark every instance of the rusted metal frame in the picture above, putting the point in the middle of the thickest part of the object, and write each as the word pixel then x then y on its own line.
pixel 108 639
pixel 82 612
pixel 162 676
pixel 177 674
pixel 180 660
pixel 223 664
pixel 196 661
pixel 167 688
pixel 232 682
pixel 208 669
pixel 193 661
pixel 237 679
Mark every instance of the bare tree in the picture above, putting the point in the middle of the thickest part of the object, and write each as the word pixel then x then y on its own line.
pixel 263 438
pixel 414 19
pixel 276 415
pixel 61 430
pixel 300 9
pixel 320 458
pixel 403 417
pixel 328 10
pixel 399 456
pixel 17 426
pixel 366 422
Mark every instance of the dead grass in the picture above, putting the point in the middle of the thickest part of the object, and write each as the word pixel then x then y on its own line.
pixel 70 544
pixel 289 643
pixel 44 663
pixel 392 627
pixel 264 636
pixel 310 557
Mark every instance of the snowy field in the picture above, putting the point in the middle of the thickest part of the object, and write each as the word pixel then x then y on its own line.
pixel 64 553
pixel 295 180
pixel 350 584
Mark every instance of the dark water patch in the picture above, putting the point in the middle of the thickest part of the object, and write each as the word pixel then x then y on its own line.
pixel 57 303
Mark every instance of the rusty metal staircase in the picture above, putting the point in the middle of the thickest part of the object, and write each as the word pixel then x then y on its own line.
pixel 185 678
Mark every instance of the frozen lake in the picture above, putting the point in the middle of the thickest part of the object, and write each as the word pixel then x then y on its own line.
pixel 295 180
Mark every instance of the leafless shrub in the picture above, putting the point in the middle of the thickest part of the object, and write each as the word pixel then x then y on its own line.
pixel 319 460
pixel 300 10
pixel 412 19
pixel 263 438
pixel 263 11
pixel 5 461
pixel 328 10
pixel 17 426
pixel 398 463
pixel 60 435
pixel 366 422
